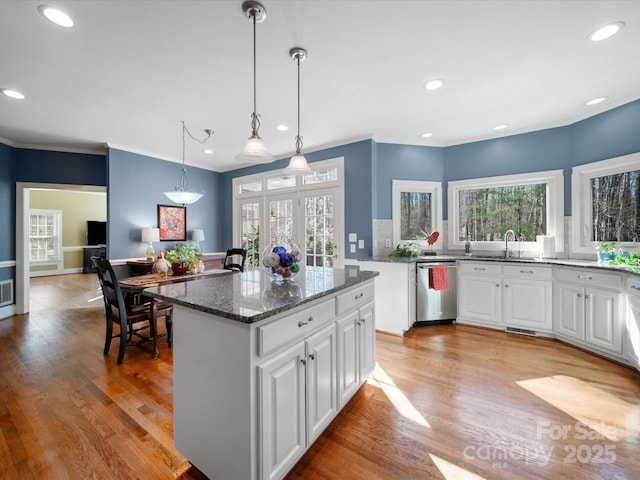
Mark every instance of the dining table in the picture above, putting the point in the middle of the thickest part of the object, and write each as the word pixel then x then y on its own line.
pixel 133 289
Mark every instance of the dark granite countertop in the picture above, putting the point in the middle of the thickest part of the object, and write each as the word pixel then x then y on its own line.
pixel 251 296
pixel 569 262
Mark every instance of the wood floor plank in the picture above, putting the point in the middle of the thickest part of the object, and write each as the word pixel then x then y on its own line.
pixel 447 402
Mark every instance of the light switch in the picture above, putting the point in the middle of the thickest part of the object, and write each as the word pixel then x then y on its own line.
pixel 353 237
pixel 360 243
pixel 352 247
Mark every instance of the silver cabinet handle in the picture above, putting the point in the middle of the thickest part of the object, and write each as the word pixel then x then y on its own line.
pixel 526 271
pixel 303 361
pixel 312 356
pixel 360 295
pixel 586 295
pixel 302 324
pixel 579 295
pixel 506 286
pixel 582 277
pixel 481 269
pixel 635 288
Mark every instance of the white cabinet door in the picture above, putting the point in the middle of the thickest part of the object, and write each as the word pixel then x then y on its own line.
pixel 568 310
pixel 527 303
pixel 348 368
pixel 633 331
pixel 282 411
pixel 366 341
pixel 321 381
pixel 602 319
pixel 479 300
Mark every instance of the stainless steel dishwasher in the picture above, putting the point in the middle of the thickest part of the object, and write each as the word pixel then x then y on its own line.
pixel 435 307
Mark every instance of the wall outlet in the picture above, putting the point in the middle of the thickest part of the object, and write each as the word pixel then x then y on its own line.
pixel 387 243
pixel 360 243
pixel 352 247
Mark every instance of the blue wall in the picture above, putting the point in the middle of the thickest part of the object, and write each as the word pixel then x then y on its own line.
pixel 41 166
pixel 134 191
pixel 7 210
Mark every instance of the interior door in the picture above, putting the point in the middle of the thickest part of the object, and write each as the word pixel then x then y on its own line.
pixel 321 210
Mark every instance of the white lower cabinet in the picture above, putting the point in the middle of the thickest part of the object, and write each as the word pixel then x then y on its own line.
pixel 356 350
pixel 297 401
pixel 632 333
pixel 586 309
pixel 527 294
pixel 479 294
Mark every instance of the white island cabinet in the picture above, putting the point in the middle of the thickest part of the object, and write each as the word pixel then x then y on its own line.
pixel 260 369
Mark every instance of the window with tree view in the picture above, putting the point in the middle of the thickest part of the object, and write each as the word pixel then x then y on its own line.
pixel 485 214
pixel 615 207
pixel 415 215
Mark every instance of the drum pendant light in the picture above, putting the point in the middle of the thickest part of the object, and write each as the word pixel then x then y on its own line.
pixel 298 164
pixel 255 151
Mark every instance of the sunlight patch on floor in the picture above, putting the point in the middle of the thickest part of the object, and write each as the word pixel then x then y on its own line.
pixel 453 472
pixel 379 378
pixel 604 413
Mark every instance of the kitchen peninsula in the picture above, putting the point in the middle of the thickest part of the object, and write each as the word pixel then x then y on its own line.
pixel 261 368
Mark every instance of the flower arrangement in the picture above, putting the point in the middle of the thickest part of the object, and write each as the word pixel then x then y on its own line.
pixel 184 259
pixel 282 262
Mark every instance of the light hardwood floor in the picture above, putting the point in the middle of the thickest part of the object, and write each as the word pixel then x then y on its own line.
pixel 448 402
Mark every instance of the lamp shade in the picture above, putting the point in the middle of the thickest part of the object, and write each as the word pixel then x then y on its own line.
pixel 197 235
pixel 255 151
pixel 150 234
pixel 298 166
pixel 184 197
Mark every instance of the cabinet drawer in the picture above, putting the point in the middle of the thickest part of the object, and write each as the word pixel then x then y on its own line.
pixel 286 330
pixel 354 298
pixel 633 286
pixel 480 268
pixel 524 270
pixel 589 277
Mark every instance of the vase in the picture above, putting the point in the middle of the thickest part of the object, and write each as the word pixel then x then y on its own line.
pixel 180 268
pixel 282 262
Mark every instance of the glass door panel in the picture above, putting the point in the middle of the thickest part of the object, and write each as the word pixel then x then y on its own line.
pixel 321 235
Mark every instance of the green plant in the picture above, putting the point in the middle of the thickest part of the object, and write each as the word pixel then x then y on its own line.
pixel 251 244
pixel 627 258
pixel 406 249
pixel 606 247
pixel 183 253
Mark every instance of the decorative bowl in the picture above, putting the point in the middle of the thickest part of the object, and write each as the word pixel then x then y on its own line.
pixel 282 262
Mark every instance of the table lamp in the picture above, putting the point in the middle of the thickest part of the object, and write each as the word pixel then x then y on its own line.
pixel 198 236
pixel 151 235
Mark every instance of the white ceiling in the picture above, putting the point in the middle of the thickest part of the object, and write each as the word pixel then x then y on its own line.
pixel 128 72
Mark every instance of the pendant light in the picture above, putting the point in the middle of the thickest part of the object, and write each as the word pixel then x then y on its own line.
pixel 298 164
pixel 255 151
pixel 181 193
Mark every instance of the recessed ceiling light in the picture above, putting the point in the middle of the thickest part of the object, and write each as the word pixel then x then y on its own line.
pixel 499 127
pixel 607 31
pixel 12 93
pixel 596 101
pixel 208 151
pixel 282 127
pixel 433 84
pixel 426 135
pixel 56 16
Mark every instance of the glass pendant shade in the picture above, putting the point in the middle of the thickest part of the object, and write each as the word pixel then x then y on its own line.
pixel 255 151
pixel 298 166
pixel 183 197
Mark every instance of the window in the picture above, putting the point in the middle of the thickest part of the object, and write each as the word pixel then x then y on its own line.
pixel 306 210
pixel 606 203
pixel 483 210
pixel 416 210
pixel 45 242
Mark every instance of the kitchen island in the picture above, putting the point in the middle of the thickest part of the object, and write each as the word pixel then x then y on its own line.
pixel 261 368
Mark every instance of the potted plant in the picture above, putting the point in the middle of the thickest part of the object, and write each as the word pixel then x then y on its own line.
pixel 605 250
pixel 183 259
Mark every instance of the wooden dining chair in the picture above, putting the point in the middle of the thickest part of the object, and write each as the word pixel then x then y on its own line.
pixel 132 319
pixel 235 259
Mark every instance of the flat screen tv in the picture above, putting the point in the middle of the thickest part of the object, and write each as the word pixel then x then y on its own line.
pixel 96 232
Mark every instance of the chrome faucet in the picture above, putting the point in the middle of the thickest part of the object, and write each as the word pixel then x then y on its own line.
pixel 509 234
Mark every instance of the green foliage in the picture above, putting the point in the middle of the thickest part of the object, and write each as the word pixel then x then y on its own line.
pixel 605 246
pixel 630 258
pixel 251 244
pixel 406 249
pixel 183 253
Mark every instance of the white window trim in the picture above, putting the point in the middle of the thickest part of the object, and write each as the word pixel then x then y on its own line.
pixel 434 188
pixel 265 195
pixel 59 255
pixel 581 198
pixel 555 206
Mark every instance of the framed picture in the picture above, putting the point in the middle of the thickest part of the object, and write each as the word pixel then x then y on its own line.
pixel 172 222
